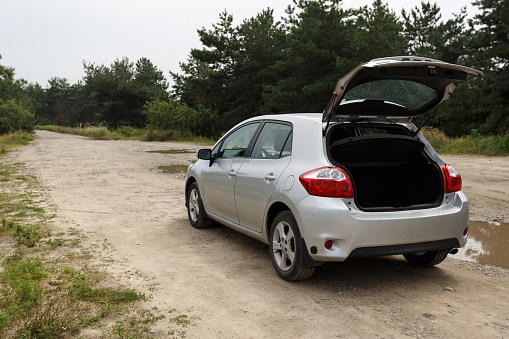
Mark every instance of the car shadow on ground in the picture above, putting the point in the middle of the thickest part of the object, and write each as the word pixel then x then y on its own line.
pixel 357 276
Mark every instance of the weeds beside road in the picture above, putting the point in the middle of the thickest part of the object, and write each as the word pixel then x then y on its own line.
pixel 128 133
pixel 474 143
pixel 49 287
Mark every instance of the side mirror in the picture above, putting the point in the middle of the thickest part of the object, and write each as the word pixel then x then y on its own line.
pixel 204 154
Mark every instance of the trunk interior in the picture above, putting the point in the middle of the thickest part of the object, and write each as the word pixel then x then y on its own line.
pixel 389 171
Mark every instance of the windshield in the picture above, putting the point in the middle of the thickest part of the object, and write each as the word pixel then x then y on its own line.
pixel 408 94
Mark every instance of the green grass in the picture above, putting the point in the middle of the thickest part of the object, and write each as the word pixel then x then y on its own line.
pixel 24 234
pixel 45 301
pixel 475 143
pixel 130 133
pixel 90 132
pixel 49 294
pixel 11 140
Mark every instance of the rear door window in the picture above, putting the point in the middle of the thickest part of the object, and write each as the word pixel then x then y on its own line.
pixel 273 142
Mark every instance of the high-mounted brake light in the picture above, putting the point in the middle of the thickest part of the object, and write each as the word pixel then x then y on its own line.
pixel 327 182
pixel 452 179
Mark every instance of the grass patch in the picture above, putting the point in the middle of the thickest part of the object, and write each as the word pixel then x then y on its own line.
pixel 13 139
pixel 31 308
pixel 101 133
pixel 27 235
pixel 130 133
pixel 49 287
pixel 136 326
pixel 182 320
pixel 44 301
pixel 475 143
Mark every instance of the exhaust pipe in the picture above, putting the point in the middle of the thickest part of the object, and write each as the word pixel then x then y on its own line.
pixel 454 251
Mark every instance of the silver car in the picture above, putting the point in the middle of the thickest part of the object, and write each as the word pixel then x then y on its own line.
pixel 357 180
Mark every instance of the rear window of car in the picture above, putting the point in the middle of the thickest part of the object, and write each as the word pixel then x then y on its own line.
pixel 408 94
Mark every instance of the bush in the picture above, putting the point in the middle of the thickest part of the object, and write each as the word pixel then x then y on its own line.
pixel 173 115
pixel 154 134
pixel 167 115
pixel 15 117
pixel 474 143
pixel 505 143
pixel 127 131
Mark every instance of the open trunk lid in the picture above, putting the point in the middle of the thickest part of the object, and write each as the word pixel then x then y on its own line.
pixel 394 88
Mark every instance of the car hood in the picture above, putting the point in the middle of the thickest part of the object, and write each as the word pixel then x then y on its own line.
pixel 395 87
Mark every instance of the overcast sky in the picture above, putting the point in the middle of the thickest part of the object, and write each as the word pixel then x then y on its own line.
pixel 42 39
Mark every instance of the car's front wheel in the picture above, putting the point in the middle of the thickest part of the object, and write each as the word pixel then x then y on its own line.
pixel 195 211
pixel 286 248
pixel 431 258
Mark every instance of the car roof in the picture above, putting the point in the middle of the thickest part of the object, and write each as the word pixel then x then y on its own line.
pixel 288 117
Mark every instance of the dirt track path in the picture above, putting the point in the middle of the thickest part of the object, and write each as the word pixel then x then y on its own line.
pixel 224 281
pixel 486 183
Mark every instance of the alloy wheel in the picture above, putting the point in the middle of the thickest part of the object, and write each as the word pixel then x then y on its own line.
pixel 194 205
pixel 283 246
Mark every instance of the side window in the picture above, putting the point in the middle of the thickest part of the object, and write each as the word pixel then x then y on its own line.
pixel 287 149
pixel 274 141
pixel 235 145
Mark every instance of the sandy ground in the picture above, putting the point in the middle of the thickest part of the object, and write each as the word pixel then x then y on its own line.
pixel 224 281
pixel 486 184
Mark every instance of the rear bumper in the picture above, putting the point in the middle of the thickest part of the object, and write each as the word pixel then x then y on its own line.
pixel 404 249
pixel 355 233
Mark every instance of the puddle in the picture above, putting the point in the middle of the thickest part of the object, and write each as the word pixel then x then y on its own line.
pixel 173 151
pixel 173 169
pixel 488 243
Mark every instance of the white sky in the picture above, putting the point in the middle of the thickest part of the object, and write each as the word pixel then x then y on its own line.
pixel 42 39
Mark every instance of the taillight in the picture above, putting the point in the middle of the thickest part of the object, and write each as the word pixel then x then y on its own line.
pixel 327 182
pixel 452 179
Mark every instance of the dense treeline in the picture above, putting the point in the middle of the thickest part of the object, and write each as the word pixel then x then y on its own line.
pixel 265 65
pixel 111 96
pixel 15 104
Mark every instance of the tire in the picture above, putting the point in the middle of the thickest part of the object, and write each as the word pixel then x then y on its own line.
pixel 195 211
pixel 286 248
pixel 431 258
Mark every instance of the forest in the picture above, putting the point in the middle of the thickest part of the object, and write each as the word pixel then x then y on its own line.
pixel 267 65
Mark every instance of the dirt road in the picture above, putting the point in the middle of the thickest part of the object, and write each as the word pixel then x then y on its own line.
pixel 225 282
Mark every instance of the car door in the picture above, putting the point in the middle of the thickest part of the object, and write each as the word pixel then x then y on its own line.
pixel 219 179
pixel 260 172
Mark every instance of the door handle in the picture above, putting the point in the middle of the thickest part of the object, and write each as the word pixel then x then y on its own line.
pixel 269 177
pixel 231 174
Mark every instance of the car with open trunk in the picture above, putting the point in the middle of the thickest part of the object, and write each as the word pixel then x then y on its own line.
pixel 357 180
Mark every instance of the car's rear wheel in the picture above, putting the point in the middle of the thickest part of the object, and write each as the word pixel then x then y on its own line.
pixel 286 248
pixel 431 258
pixel 195 211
